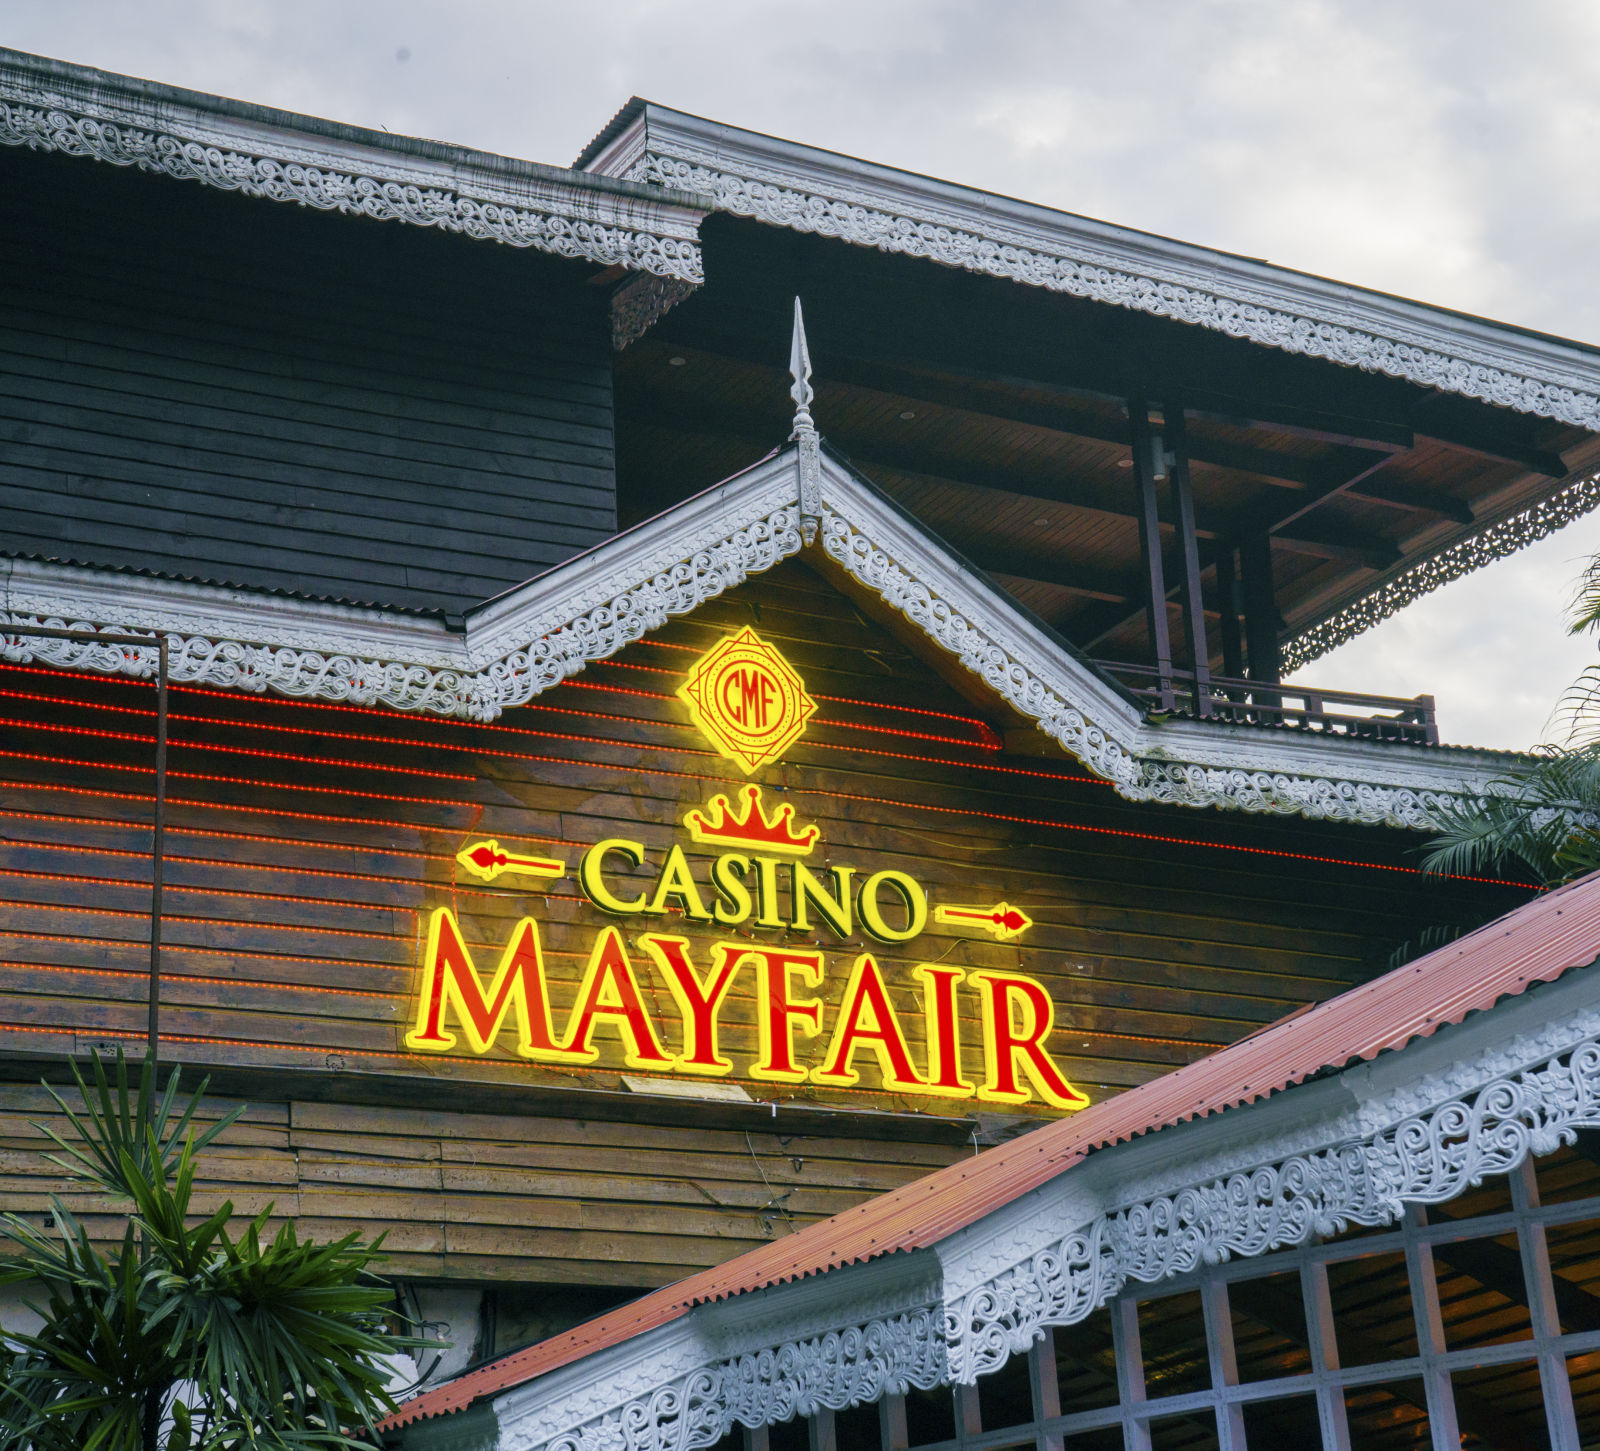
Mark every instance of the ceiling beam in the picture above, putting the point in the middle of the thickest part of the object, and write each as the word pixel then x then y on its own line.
pixel 899 386
pixel 1053 572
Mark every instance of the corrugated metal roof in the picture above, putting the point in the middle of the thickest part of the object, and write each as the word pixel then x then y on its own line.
pixel 1535 943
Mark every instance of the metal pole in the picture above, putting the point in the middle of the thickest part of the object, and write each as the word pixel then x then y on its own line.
pixel 1140 440
pixel 1194 614
pixel 157 844
pixel 159 823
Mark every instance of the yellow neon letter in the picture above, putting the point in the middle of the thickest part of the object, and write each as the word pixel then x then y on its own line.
pixel 871 915
pixel 779 1016
pixel 595 889
pixel 1006 1046
pixel 610 990
pixel 450 981
pixel 699 1001
pixel 867 1020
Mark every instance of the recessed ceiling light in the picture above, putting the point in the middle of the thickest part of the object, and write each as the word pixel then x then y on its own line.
pixel 676 362
pixel 1124 463
pixel 907 416
pixel 1040 523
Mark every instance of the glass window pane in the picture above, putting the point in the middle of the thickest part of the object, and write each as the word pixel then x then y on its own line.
pixel 791 1435
pixel 930 1416
pixel 1086 1364
pixel 1570 1173
pixel 1575 1262
pixel 1482 1295
pixel 1493 1196
pixel 1501 1405
pixel 1005 1398
pixel 1583 1373
pixel 1389 1417
pixel 1172 1333
pixel 1195 1432
pixel 1107 1439
pixel 856 1428
pixel 1372 1309
pixel 1269 1327
pixel 1289 1423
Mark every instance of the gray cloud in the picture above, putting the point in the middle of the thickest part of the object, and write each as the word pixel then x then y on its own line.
pixel 1441 149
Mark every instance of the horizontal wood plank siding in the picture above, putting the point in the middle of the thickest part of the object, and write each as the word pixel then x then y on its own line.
pixel 307 845
pixel 283 399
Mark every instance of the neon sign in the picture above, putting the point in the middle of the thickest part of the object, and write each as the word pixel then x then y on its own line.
pixel 760 879
pixel 747 700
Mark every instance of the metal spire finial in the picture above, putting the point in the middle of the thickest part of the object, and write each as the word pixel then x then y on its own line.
pixel 800 371
pixel 807 441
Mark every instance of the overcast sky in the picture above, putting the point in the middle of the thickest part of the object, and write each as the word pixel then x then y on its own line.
pixel 1443 151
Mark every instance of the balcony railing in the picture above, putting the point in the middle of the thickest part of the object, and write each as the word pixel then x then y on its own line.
pixel 1250 702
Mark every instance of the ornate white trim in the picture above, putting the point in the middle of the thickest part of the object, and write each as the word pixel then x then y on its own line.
pixel 1419 1125
pixel 533 637
pixel 809 190
pixel 49 106
pixel 1502 537
pixel 1381 1137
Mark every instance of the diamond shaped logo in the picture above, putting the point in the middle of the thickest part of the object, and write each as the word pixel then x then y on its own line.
pixel 747 700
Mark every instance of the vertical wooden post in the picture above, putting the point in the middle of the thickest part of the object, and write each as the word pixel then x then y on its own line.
pixel 757 1438
pixel 1130 1371
pixel 1045 1384
pixel 1430 1336
pixel 1260 609
pixel 1224 1363
pixel 892 1432
pixel 1228 604
pixel 1149 514
pixel 1331 1409
pixel 1194 610
pixel 1532 1241
pixel 824 1435
pixel 969 1420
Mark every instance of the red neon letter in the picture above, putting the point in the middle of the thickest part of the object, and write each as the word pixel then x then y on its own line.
pixel 699 1002
pixel 610 990
pixel 944 1030
pixel 867 1020
pixel 449 979
pixel 778 1016
pixel 1006 1046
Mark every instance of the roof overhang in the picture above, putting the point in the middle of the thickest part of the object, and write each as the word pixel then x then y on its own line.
pixel 807 189
pixel 1457 1071
pixel 256 151
pixel 801 500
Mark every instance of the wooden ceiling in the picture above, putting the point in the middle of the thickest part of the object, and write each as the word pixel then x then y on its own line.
pixel 997 415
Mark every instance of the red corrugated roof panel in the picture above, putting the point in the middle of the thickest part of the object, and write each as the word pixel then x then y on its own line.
pixel 1536 943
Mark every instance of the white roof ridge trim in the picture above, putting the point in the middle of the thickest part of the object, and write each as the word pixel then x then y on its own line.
pixel 49 105
pixel 531 638
pixel 811 190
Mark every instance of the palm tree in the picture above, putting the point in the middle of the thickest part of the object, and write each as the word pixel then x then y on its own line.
pixel 191 1334
pixel 1542 819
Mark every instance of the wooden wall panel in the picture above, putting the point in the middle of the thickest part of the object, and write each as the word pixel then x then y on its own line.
pixel 512 1198
pixel 308 844
pixel 283 399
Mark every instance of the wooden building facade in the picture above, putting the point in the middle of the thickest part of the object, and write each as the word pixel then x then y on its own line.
pixel 448 492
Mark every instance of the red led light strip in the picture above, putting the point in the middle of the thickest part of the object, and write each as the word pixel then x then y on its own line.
pixel 166 977
pixel 214 891
pixel 871 800
pixel 284 811
pixel 208 921
pixel 543 735
pixel 244 750
pixel 242 781
pixel 987 740
pixel 848 796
